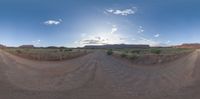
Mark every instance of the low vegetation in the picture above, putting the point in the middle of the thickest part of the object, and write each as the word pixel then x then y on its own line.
pixel 151 55
pixel 109 52
pixel 137 51
pixel 123 55
pixel 156 51
pixel 133 56
pixel 47 54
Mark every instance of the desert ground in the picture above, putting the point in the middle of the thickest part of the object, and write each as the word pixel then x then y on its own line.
pixel 98 76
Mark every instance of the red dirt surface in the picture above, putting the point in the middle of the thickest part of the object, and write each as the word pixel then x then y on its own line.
pixel 98 76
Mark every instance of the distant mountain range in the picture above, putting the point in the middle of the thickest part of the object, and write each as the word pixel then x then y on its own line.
pixel 2 46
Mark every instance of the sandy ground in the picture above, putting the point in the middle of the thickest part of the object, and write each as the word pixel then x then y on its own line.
pixel 98 76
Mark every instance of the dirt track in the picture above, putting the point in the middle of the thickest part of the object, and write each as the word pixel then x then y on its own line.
pixel 98 76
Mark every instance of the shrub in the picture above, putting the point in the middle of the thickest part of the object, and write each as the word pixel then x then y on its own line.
pixel 68 50
pixel 60 49
pixel 126 51
pixel 156 51
pixel 19 51
pixel 133 56
pixel 135 51
pixel 27 50
pixel 109 52
pixel 123 55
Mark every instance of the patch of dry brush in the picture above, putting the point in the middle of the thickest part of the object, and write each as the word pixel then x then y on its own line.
pixel 151 56
pixel 47 54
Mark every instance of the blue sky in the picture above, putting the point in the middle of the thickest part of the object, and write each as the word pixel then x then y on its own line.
pixel 95 22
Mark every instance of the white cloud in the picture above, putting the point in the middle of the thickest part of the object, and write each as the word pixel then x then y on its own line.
pixel 36 42
pixel 110 10
pixel 123 12
pixel 157 35
pixel 114 29
pixel 115 37
pixel 140 29
pixel 168 42
pixel 102 38
pixel 53 22
pixel 143 40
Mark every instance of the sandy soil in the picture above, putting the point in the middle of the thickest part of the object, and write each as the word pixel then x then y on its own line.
pixel 98 76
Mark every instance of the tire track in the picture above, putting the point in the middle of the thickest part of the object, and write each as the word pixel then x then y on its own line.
pixel 141 81
pixel 32 79
pixel 98 76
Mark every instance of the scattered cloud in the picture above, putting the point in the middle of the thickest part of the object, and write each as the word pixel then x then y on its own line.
pixel 143 40
pixel 101 38
pixel 115 37
pixel 157 35
pixel 151 42
pixel 123 12
pixel 140 29
pixel 114 29
pixel 92 42
pixel 168 42
pixel 36 42
pixel 110 37
pixel 53 22
pixel 110 10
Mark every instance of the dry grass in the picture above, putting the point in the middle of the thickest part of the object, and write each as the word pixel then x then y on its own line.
pixel 151 55
pixel 47 54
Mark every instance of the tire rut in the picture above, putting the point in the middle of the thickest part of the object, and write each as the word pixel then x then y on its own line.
pixel 98 76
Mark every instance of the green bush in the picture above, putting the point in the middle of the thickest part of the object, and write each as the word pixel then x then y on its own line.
pixel 133 56
pixel 123 55
pixel 19 51
pixel 155 51
pixel 61 49
pixel 135 51
pixel 109 52
pixel 27 50
pixel 68 50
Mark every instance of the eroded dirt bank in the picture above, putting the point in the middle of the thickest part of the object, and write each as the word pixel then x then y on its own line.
pixel 98 76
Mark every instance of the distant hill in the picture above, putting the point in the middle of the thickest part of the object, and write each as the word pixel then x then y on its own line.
pixel 26 46
pixel 2 46
pixel 189 45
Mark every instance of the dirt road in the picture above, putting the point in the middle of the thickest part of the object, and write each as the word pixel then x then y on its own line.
pixel 98 76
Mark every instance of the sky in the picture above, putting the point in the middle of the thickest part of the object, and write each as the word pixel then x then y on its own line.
pixel 76 23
